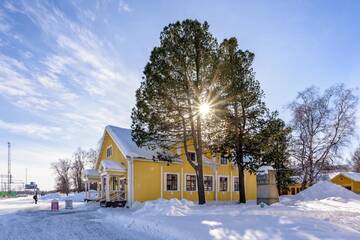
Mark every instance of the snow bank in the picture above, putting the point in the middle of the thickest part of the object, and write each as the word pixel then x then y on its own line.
pixel 323 190
pixel 76 197
pixel 172 207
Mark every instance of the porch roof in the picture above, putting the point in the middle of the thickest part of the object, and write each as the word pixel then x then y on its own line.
pixel 110 165
pixel 91 173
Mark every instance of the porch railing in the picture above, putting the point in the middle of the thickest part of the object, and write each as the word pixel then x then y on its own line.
pixel 118 196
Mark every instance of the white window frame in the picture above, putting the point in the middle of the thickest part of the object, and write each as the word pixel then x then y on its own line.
pixel 227 160
pixel 108 147
pixel 165 182
pixel 190 174
pixel 227 177
pixel 194 155
pixel 233 183
pixel 212 185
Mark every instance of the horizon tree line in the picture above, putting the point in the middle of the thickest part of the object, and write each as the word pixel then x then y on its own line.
pixel 69 171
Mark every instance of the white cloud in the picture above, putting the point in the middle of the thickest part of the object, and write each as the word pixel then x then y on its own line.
pixel 50 82
pixel 76 84
pixel 124 7
pixel 30 129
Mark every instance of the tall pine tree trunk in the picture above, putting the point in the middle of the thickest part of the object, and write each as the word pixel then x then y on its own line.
pixel 242 196
pixel 200 186
pixel 199 153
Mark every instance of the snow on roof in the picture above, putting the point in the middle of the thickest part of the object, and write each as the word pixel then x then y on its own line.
pixel 91 173
pixel 123 138
pixel 296 179
pixel 264 169
pixel 113 165
pixel 355 176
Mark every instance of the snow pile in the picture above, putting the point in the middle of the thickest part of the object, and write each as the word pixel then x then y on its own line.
pixel 172 207
pixel 323 190
pixel 76 197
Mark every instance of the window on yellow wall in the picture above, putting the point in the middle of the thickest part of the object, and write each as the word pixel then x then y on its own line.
pixel 236 184
pixel 192 156
pixel 208 183
pixel 109 151
pixel 171 182
pixel 224 160
pixel 223 184
pixel 190 183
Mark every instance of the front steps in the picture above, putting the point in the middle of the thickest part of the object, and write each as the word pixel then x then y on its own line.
pixel 113 204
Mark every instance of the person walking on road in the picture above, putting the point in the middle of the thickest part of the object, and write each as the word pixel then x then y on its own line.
pixel 35 197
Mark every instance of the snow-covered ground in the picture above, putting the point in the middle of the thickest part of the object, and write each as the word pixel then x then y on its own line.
pixel 21 219
pixel 76 197
pixel 324 211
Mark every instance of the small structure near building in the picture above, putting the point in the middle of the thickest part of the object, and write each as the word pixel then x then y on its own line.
pixel 266 186
pixel 69 204
pixel 296 185
pixel 54 205
pixel 349 180
pixel 91 178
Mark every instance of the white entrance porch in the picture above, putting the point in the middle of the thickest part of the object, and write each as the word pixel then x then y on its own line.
pixel 113 184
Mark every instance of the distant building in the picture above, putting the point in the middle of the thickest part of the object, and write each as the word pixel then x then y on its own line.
pixel 16 185
pixel 31 186
pixel 349 180
pixel 325 175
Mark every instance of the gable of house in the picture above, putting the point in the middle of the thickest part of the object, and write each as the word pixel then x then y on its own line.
pixel 349 180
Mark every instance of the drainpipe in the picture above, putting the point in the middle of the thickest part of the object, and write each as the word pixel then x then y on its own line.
pixel 182 184
pixel 231 185
pixel 216 185
pixel 161 181
pixel 130 182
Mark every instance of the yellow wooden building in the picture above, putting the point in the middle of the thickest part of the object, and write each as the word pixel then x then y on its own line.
pixel 127 173
pixel 349 180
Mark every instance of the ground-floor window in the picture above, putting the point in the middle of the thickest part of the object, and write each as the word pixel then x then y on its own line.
pixel 208 183
pixel 171 182
pixel 292 191
pixel 190 182
pixel 236 184
pixel 223 184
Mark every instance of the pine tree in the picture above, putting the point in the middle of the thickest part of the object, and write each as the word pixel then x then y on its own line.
pixel 274 139
pixel 240 110
pixel 177 80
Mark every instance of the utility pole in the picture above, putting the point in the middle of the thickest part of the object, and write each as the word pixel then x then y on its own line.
pixel 9 167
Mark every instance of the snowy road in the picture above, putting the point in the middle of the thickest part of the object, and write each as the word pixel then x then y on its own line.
pixel 20 219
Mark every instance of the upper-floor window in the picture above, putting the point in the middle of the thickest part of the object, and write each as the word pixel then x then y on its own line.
pixel 223 184
pixel 224 160
pixel 109 152
pixel 171 182
pixel 190 182
pixel 192 156
pixel 208 183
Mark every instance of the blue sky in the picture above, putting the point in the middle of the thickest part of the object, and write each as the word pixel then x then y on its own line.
pixel 68 68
